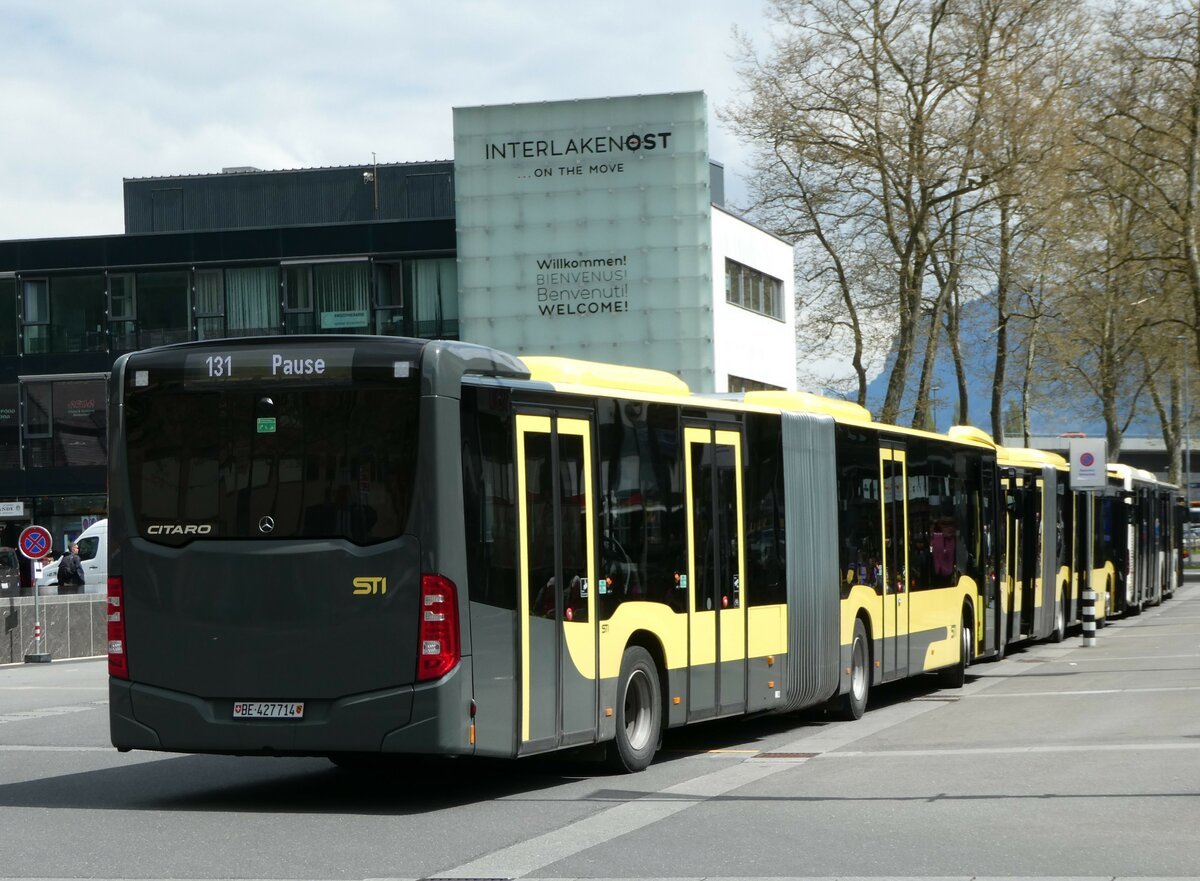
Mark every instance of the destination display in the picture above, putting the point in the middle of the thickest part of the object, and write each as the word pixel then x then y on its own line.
pixel 283 364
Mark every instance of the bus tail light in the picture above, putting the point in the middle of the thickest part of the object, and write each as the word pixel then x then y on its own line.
pixel 118 662
pixel 438 651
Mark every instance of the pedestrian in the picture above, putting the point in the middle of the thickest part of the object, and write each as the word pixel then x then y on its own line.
pixel 70 571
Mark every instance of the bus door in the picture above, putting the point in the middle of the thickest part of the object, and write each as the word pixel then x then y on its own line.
pixel 893 470
pixel 990 565
pixel 557 639
pixel 716 617
pixel 1030 559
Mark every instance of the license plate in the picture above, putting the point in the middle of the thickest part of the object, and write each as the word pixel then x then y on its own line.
pixel 260 710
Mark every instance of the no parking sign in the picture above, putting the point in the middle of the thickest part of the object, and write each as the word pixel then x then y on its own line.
pixel 35 542
pixel 1089 463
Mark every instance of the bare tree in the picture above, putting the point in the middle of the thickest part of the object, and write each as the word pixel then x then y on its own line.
pixel 870 96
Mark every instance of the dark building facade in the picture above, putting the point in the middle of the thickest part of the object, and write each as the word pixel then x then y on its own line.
pixel 360 249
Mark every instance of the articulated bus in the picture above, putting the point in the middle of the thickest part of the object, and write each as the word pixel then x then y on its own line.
pixel 1136 544
pixel 1140 516
pixel 1039 597
pixel 351 546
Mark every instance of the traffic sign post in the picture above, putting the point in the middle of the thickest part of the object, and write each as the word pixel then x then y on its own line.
pixel 1089 472
pixel 35 543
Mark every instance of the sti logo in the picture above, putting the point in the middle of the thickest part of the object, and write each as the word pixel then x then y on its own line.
pixel 369 585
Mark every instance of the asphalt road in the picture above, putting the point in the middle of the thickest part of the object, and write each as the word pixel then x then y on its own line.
pixel 1059 761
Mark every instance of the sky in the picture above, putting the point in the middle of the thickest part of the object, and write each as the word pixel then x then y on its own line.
pixel 94 92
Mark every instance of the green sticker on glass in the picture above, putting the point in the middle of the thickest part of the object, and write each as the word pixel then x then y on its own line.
pixel 266 425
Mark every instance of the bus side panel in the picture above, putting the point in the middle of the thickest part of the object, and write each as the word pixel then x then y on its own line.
pixel 496 679
pixel 810 478
pixel 1048 595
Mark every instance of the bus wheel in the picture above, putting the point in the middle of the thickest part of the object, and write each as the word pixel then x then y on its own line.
pixel 954 677
pixel 639 712
pixel 1060 621
pixel 854 702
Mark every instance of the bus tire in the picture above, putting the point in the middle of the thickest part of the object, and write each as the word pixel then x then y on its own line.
pixel 854 701
pixel 956 676
pixel 639 712
pixel 1060 621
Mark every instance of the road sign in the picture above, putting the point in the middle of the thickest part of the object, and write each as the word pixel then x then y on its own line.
pixel 35 542
pixel 1089 463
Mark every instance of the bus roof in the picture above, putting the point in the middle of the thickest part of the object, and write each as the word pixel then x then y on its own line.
pixel 596 374
pixel 1028 457
pixel 807 402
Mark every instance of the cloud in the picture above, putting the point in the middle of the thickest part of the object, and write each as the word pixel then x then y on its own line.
pixel 97 92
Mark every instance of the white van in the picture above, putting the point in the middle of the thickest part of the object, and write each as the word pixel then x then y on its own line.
pixel 93 553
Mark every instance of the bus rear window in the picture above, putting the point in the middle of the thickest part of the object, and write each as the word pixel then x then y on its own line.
pixel 333 462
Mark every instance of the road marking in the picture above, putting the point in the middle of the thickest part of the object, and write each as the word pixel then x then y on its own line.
pixel 1003 750
pixel 1099 659
pixel 38 748
pixel 1089 691
pixel 47 712
pixel 526 857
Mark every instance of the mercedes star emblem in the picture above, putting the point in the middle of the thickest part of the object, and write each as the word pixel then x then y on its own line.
pixel 266 524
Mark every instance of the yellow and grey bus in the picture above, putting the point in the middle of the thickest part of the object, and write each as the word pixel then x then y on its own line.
pixel 352 546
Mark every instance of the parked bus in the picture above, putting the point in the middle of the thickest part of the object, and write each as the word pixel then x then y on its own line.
pixel 1039 597
pixel 1146 541
pixel 349 546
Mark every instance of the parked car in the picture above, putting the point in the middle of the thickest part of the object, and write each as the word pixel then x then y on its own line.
pixel 10 572
pixel 93 553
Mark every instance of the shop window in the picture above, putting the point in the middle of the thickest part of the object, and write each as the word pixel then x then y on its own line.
pixel 122 312
pixel 65 423
pixel 753 290
pixel 8 316
pixel 80 425
pixel 38 406
pixel 35 315
pixel 164 315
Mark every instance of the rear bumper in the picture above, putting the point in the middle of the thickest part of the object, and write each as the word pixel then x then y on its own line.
pixel 427 718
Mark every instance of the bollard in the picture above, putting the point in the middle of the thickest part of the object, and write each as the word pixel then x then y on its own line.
pixel 1088 614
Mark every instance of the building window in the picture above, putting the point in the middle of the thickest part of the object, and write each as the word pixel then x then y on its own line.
pixel 741 384
pixel 753 290
pixel 77 314
pixel 8 316
pixel 342 299
pixel 434 298
pixel 10 428
pixel 209 294
pixel 35 315
pixel 327 298
pixel 297 299
pixel 164 315
pixel 252 301
pixel 122 312
pixel 389 300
